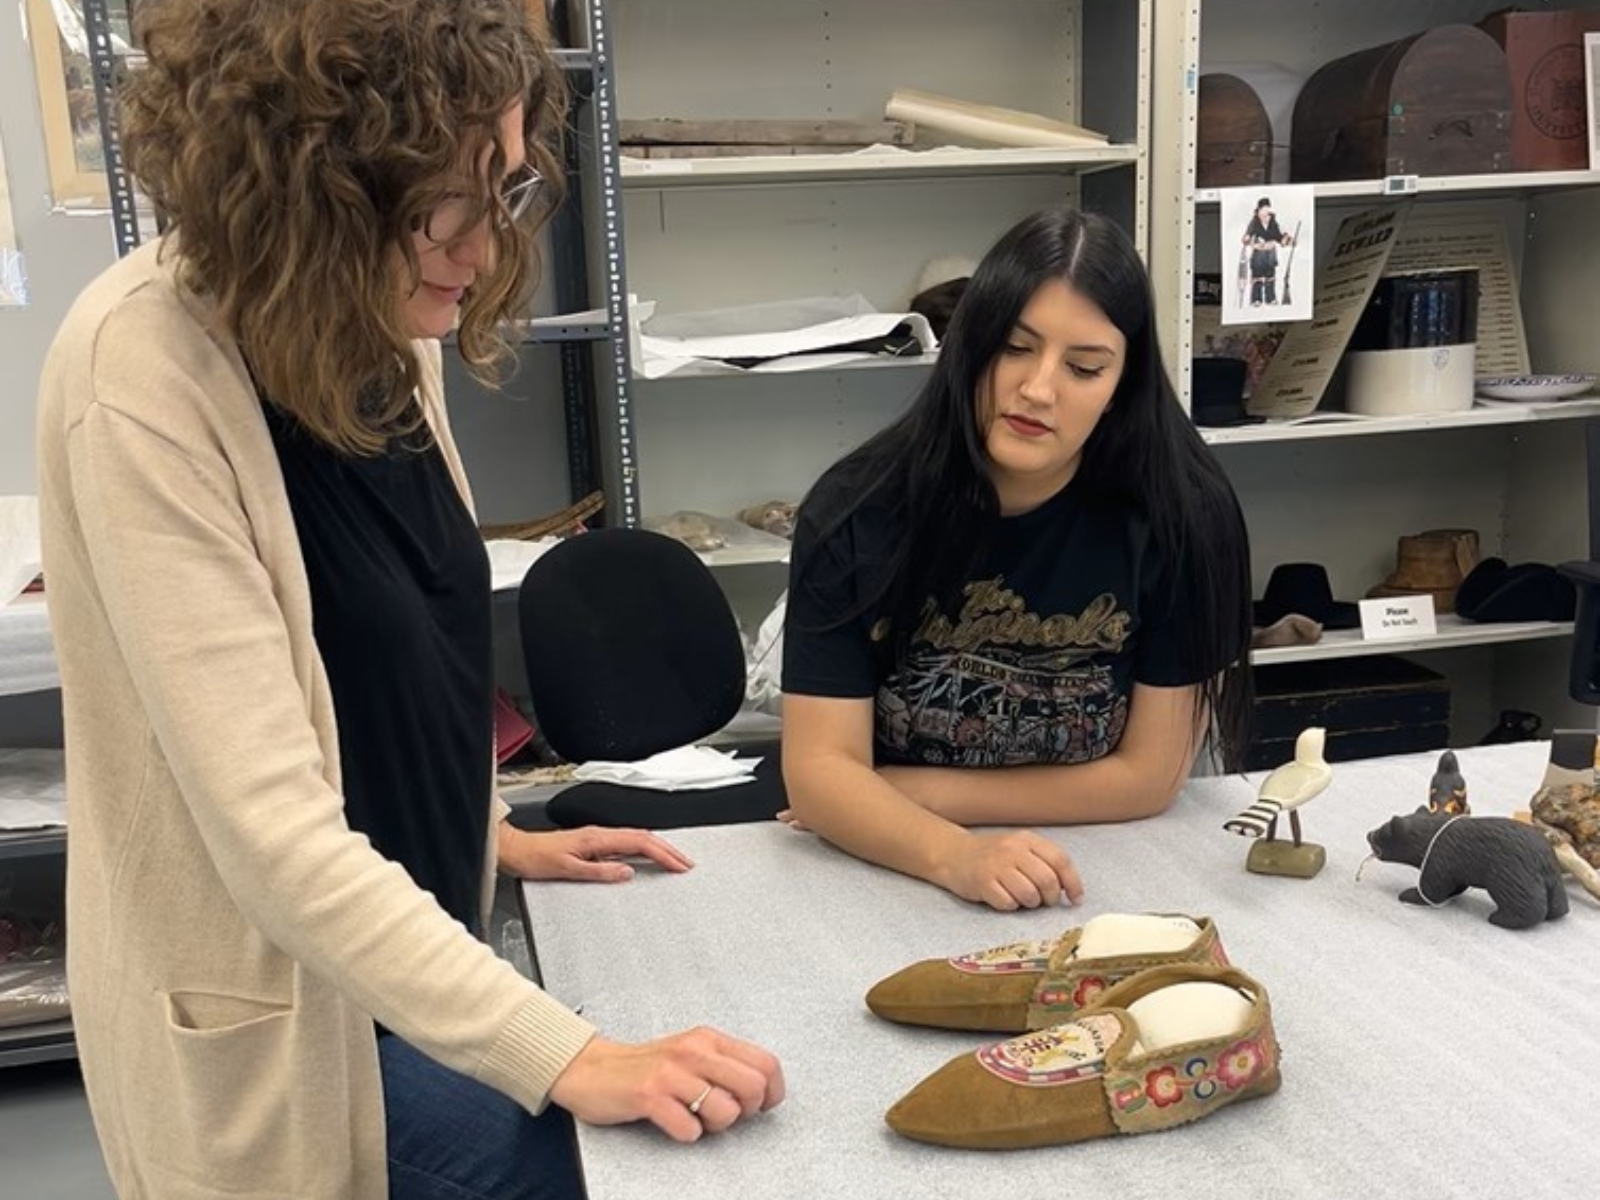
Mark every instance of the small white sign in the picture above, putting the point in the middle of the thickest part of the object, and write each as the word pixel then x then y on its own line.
pixel 1398 617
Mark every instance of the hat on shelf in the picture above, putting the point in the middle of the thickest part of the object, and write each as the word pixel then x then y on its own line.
pixel 1304 588
pixel 1526 592
pixel 1218 393
pixel 1431 563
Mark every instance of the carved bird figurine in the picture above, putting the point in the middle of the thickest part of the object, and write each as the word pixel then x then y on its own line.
pixel 1286 789
pixel 1447 790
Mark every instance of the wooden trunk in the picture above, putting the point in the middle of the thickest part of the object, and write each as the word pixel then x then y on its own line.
pixel 1437 103
pixel 1235 135
pixel 1369 706
pixel 1544 57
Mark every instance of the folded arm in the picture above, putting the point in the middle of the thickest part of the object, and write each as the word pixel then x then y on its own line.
pixel 1139 779
pixel 835 792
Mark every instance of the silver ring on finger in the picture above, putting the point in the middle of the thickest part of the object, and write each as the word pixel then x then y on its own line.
pixel 694 1105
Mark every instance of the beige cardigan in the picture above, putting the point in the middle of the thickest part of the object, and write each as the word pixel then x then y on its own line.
pixel 231 939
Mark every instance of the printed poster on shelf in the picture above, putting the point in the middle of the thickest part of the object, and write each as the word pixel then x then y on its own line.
pixel 1298 375
pixel 1472 236
pixel 13 279
pixel 1253 345
pixel 1270 232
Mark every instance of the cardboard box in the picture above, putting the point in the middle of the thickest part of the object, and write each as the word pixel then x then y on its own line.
pixel 1544 58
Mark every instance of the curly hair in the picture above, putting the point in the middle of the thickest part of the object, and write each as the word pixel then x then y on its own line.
pixel 293 147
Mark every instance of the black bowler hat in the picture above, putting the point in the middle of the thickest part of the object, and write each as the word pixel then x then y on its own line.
pixel 1304 588
pixel 1219 393
pixel 1526 592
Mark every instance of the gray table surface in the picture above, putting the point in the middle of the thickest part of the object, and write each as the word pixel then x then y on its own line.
pixel 1425 1053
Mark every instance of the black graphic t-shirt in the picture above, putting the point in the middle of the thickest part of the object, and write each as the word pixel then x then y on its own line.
pixel 1034 663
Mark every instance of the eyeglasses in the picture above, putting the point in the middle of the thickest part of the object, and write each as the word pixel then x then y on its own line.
pixel 517 192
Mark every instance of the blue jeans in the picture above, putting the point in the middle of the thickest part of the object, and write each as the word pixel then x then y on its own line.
pixel 453 1138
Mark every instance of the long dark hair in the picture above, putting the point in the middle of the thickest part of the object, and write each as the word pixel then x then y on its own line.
pixel 930 471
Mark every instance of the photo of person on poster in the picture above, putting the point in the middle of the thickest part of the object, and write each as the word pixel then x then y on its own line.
pixel 1270 234
pixel 1263 238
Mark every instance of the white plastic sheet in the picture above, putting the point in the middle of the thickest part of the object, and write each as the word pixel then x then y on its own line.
pixel 792 335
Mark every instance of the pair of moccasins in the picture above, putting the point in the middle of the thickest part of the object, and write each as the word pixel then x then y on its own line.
pixel 1128 1024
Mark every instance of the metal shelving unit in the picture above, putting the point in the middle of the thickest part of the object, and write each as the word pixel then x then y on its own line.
pixel 33 843
pixel 1309 491
pixel 723 232
pixel 46 1041
pixel 1312 429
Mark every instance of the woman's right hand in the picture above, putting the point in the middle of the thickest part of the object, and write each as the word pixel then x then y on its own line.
pixel 1009 871
pixel 692 1083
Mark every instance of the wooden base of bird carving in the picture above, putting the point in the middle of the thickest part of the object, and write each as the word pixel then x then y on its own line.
pixel 1285 858
pixel 1297 859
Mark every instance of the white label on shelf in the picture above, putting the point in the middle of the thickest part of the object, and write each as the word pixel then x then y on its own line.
pixel 1398 617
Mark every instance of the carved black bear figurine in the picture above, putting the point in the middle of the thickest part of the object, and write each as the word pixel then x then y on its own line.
pixel 1509 860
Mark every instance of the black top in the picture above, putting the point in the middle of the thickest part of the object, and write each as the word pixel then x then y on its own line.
pixel 400 601
pixel 1070 607
pixel 1269 231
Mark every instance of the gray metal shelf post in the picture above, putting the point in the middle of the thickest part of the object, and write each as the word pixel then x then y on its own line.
pixel 103 62
pixel 624 479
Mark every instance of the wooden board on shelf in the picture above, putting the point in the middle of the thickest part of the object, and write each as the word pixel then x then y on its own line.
pixel 733 149
pixel 673 131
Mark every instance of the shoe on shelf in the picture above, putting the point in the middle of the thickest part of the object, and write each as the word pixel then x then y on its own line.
pixel 1030 985
pixel 1168 1046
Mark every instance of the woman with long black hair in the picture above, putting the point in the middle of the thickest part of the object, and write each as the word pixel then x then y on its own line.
pixel 1027 601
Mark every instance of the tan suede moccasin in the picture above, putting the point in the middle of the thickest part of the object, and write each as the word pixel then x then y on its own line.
pixel 1031 985
pixel 1094 1076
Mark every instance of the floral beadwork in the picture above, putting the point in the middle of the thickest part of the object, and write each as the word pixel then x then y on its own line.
pixel 1003 960
pixel 1065 1053
pixel 1198 1078
pixel 1088 990
pixel 1240 1064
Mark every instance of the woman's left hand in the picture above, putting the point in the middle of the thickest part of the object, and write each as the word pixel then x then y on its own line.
pixel 588 854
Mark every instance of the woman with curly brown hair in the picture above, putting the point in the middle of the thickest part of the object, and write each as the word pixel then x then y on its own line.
pixel 271 608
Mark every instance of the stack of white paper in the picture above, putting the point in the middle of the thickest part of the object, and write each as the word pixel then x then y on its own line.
pixel 686 769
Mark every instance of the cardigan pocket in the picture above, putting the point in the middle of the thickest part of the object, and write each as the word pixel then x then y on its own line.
pixel 233 1118
pixel 206 1014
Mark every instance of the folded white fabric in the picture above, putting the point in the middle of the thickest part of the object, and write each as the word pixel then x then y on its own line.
pixel 686 769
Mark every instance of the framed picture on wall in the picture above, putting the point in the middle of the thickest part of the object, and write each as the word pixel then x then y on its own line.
pixel 66 96
pixel 13 280
pixel 1591 79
